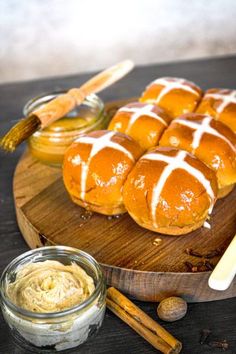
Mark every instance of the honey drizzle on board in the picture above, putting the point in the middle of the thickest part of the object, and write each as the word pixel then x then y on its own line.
pixel 200 129
pixel 226 99
pixel 173 163
pixel 139 112
pixel 98 144
pixel 172 85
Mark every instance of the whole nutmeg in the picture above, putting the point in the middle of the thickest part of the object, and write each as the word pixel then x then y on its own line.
pixel 172 309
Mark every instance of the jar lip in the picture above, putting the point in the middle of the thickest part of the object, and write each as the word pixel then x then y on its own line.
pixel 91 101
pixel 53 94
pixel 69 311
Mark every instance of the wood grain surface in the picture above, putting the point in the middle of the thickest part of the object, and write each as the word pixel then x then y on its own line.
pixel 115 337
pixel 146 265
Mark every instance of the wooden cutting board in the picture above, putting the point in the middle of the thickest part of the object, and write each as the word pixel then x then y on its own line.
pixel 146 265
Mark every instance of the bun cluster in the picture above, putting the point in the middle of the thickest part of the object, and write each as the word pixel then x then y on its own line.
pixel 165 159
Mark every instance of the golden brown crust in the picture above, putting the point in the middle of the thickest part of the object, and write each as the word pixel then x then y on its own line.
pixel 183 202
pixel 223 192
pixel 96 182
pixel 211 105
pixel 114 209
pixel 146 130
pixel 170 230
pixel 175 102
pixel 213 150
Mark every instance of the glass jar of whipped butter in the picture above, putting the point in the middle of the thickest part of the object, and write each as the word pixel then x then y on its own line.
pixel 49 145
pixel 53 298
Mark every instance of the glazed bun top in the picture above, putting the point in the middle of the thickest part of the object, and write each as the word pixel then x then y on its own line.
pixel 176 96
pixel 143 122
pixel 209 140
pixel 221 105
pixel 95 168
pixel 169 188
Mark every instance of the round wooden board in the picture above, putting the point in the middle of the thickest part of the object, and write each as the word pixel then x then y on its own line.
pixel 132 260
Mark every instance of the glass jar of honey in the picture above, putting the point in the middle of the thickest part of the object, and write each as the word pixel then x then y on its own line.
pixel 49 145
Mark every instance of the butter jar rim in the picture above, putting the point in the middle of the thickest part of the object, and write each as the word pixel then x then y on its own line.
pixel 47 251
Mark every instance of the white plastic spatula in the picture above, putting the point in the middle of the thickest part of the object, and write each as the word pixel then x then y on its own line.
pixel 224 272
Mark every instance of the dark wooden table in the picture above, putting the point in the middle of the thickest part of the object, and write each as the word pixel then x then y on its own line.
pixel 115 337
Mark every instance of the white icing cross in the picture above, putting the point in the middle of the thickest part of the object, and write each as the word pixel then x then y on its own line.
pixel 173 163
pixel 141 111
pixel 171 85
pixel 226 99
pixel 200 129
pixel 97 145
pixel 206 225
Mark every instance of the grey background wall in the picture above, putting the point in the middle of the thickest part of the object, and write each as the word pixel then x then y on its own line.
pixel 41 38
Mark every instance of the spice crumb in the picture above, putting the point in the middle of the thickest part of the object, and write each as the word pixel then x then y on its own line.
pixel 219 344
pixel 191 252
pixel 189 266
pixel 157 242
pixel 214 253
pixel 204 335
pixel 209 265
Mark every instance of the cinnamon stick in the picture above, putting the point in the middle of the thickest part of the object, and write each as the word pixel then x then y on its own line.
pixel 154 333
pixel 149 336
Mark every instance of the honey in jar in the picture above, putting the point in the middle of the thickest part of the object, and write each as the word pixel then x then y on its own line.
pixel 49 145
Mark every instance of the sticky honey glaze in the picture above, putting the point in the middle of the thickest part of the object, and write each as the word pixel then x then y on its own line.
pixel 97 144
pixel 172 84
pixel 201 128
pixel 225 99
pixel 138 112
pixel 173 163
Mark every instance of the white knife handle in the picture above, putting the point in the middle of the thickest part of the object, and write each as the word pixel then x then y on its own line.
pixel 224 272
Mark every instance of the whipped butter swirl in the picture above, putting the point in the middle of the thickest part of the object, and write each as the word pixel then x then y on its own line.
pixel 50 286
